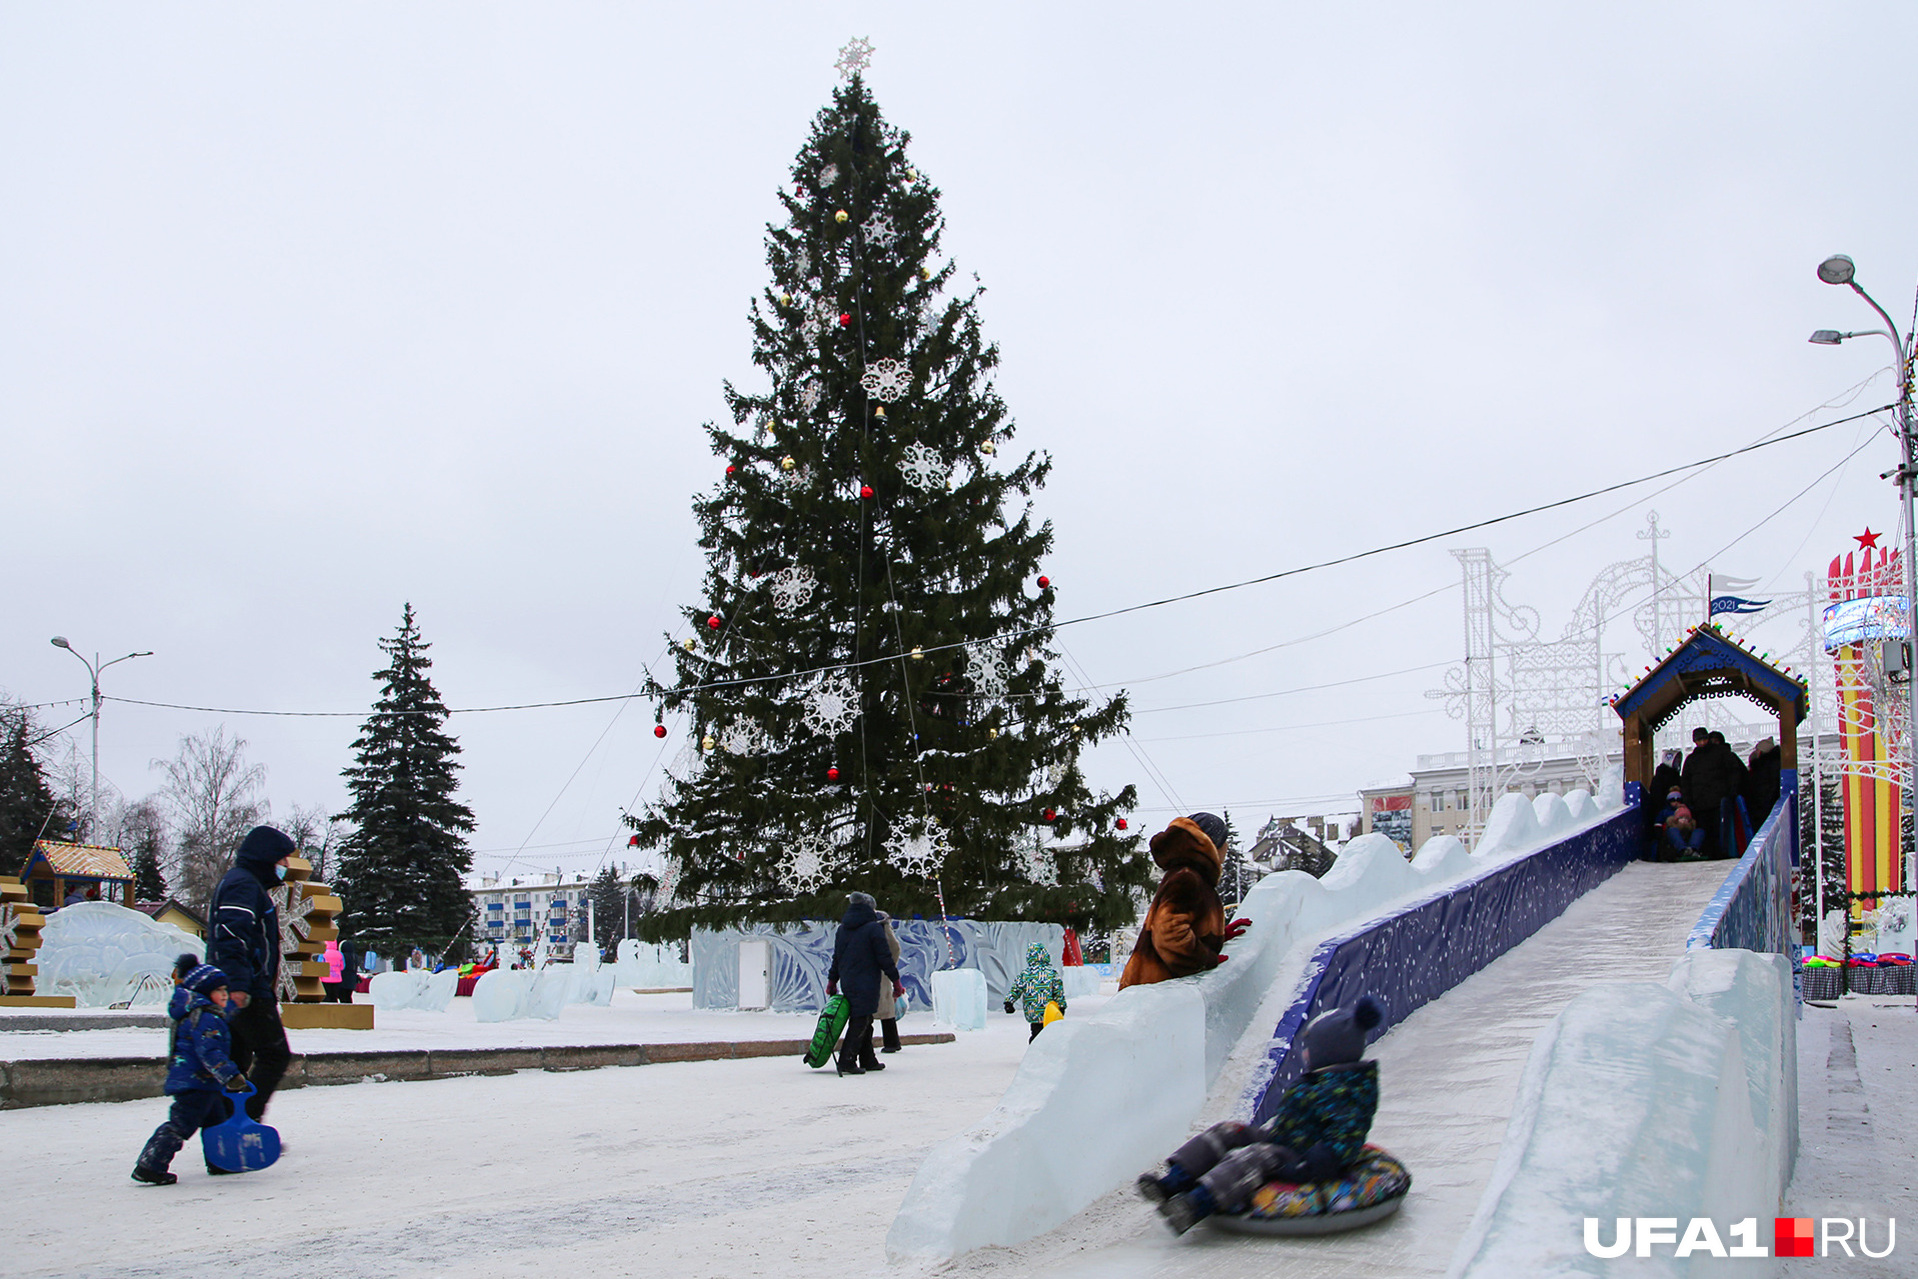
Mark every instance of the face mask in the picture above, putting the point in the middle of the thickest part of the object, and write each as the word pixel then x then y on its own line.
pixel 280 871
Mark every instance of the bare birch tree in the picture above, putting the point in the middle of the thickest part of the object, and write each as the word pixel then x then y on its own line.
pixel 215 798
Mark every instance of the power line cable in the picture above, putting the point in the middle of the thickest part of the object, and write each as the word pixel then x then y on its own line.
pixel 1282 574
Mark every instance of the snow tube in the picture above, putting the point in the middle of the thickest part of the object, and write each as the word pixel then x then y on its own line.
pixel 1371 1189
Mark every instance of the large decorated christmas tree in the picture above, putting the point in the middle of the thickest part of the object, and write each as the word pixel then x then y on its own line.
pixel 870 696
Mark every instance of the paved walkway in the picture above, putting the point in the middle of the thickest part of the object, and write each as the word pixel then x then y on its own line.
pixel 1448 1076
pixel 1856 1108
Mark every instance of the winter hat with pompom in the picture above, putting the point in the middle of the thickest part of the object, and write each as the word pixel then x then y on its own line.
pixel 1338 1037
pixel 204 980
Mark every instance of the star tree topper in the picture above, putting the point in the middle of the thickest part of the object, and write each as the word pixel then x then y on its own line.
pixel 854 56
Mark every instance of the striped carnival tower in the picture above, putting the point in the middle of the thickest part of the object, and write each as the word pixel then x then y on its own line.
pixel 1865 634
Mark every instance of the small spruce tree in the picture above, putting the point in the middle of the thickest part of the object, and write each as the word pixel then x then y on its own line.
pixel 26 801
pixel 149 885
pixel 400 868
pixel 871 695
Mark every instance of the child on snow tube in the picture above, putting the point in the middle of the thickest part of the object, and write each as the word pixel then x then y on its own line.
pixel 1318 1132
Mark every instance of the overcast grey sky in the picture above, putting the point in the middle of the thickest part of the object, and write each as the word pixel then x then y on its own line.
pixel 313 310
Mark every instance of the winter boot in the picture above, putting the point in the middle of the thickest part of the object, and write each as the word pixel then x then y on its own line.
pixel 889 1031
pixel 151 1166
pixel 1150 1190
pixel 1181 1213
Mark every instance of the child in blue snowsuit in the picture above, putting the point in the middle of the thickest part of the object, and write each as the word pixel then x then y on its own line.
pixel 1038 985
pixel 199 1068
pixel 1318 1132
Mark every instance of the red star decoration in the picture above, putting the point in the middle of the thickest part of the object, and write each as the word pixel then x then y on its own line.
pixel 1868 541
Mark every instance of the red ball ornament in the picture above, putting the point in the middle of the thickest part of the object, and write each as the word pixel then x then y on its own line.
pixel 659 730
pixel 712 623
pixel 1050 814
pixel 865 491
pixel 845 319
pixel 730 469
pixel 1122 823
pixel 1044 582
pixel 832 774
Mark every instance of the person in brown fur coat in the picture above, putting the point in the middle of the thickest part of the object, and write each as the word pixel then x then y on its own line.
pixel 1185 930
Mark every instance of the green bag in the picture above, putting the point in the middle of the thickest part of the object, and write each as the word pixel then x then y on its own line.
pixel 825 1036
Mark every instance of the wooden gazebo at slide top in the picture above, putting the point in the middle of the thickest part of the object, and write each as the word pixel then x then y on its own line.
pixel 1707 664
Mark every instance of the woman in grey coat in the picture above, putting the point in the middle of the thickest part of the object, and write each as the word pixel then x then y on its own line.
pixel 888 1014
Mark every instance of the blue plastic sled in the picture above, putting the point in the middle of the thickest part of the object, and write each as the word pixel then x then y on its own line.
pixel 240 1143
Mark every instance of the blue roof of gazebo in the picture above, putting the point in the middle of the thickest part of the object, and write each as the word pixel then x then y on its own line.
pixel 1707 664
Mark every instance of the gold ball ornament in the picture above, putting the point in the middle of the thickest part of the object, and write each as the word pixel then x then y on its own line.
pixel 689 644
pixel 992 734
pixel 925 273
pixel 918 653
pixel 787 464
pixel 785 299
pixel 912 175
pixel 706 743
pixel 988 448
pixel 841 216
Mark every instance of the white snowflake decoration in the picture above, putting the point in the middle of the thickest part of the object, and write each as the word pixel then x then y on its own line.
pixel 808 862
pixel 743 737
pixel 932 310
pixel 792 587
pixel 886 379
pixel 832 705
pixel 881 231
pixel 797 478
pixel 293 906
pixel 854 56
pixel 989 673
pixel 809 395
pixel 922 468
pixel 920 849
pixel 815 285
pixel 1041 867
pixel 688 760
pixel 811 327
pixel 828 176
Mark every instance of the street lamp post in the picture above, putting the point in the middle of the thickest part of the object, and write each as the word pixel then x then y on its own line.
pixel 1839 269
pixel 94 668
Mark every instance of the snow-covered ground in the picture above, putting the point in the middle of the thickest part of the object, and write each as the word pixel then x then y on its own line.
pixel 760 1166
pixel 631 1019
pixel 1857 1112
pixel 1448 1075
pixel 742 1168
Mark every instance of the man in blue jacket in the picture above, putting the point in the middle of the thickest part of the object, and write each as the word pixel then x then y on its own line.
pixel 243 941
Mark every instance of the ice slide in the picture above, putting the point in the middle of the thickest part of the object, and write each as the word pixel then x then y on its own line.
pixel 1449 1073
